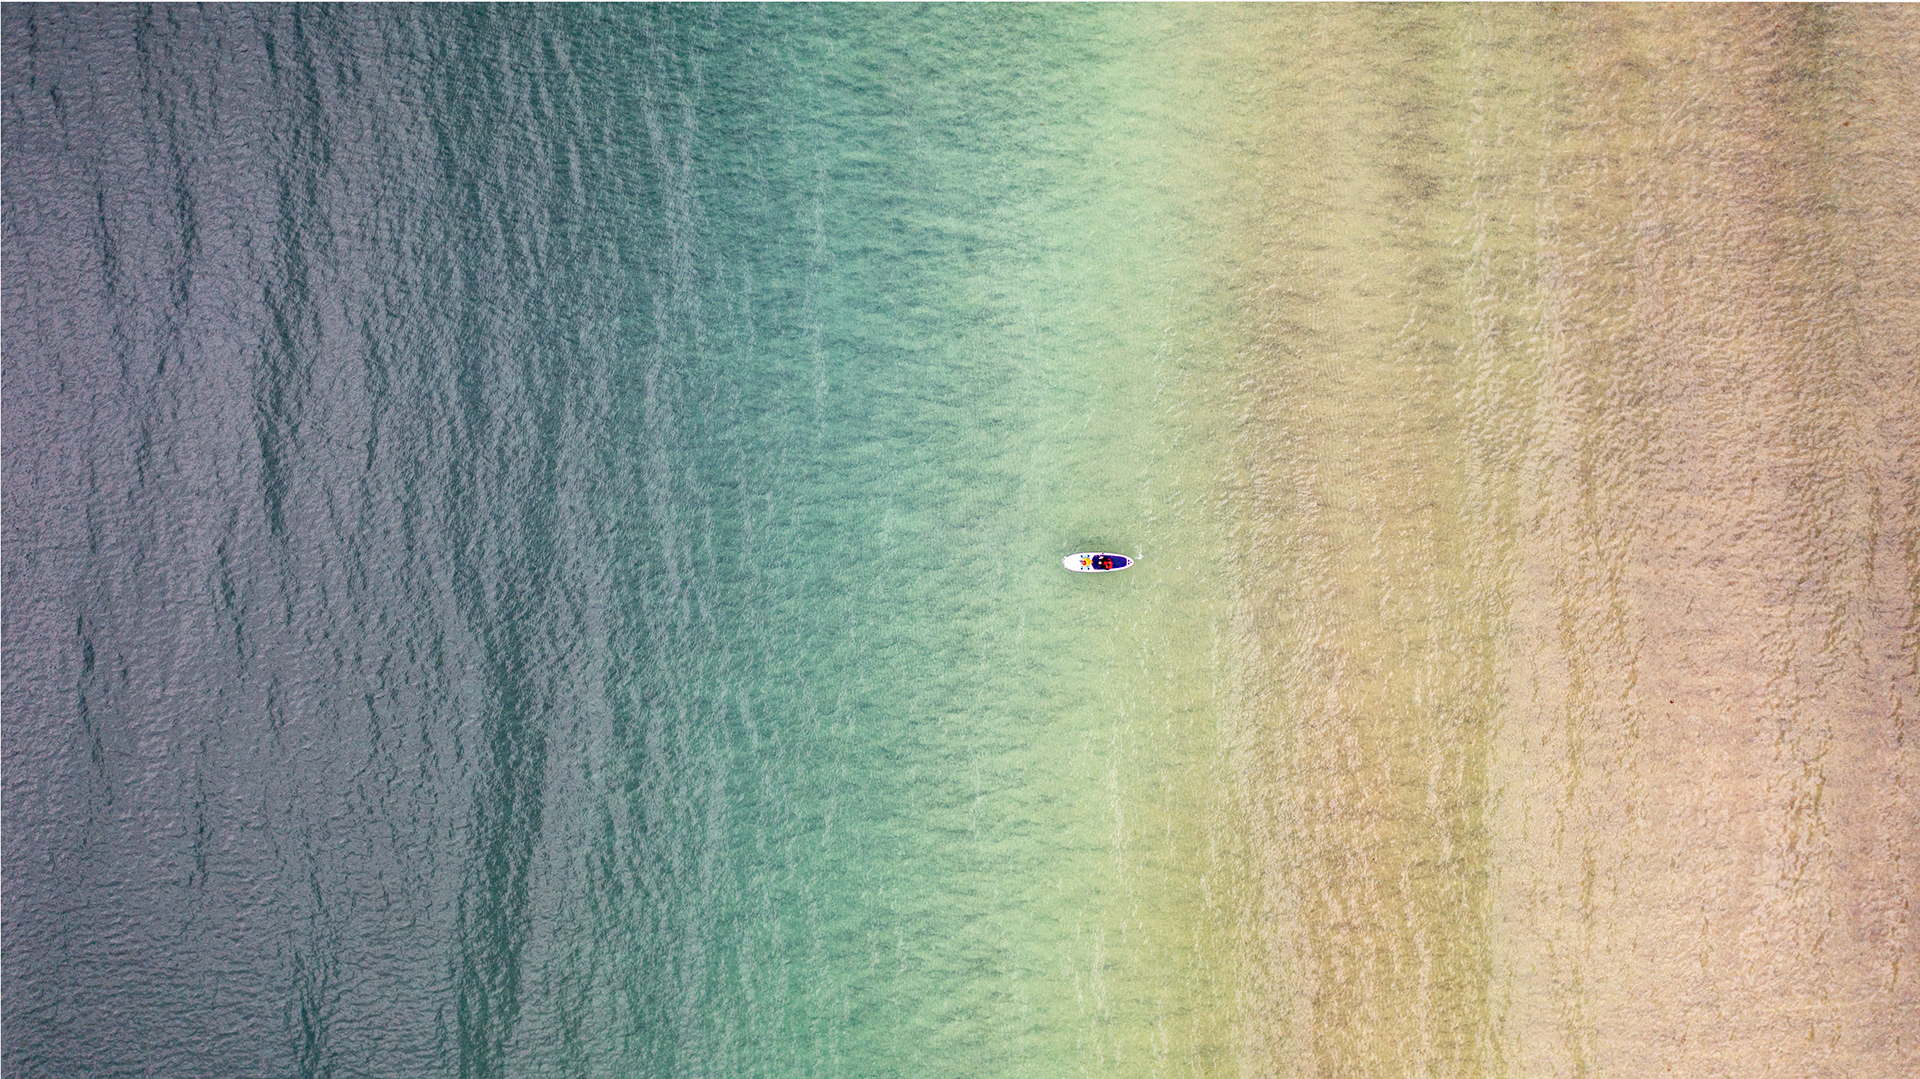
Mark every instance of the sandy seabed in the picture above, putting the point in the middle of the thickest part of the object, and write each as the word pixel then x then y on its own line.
pixel 1578 464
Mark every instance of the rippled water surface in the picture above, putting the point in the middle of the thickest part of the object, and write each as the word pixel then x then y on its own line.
pixel 532 541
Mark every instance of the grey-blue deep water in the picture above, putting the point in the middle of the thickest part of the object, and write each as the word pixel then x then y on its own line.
pixel 532 541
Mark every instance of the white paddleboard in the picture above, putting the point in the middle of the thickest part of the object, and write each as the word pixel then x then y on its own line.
pixel 1096 562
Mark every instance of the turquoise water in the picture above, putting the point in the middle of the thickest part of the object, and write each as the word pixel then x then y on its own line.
pixel 917 387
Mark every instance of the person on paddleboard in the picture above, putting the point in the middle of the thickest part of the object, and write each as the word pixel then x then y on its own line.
pixel 1096 562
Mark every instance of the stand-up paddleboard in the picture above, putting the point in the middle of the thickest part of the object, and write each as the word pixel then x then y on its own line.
pixel 1096 562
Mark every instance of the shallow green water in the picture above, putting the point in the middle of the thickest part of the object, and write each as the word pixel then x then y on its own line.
pixel 988 840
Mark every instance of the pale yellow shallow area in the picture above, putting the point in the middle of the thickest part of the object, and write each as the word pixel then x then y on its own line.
pixel 1575 503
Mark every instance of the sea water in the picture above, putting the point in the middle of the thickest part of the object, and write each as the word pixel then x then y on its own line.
pixel 569 579
pixel 532 541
